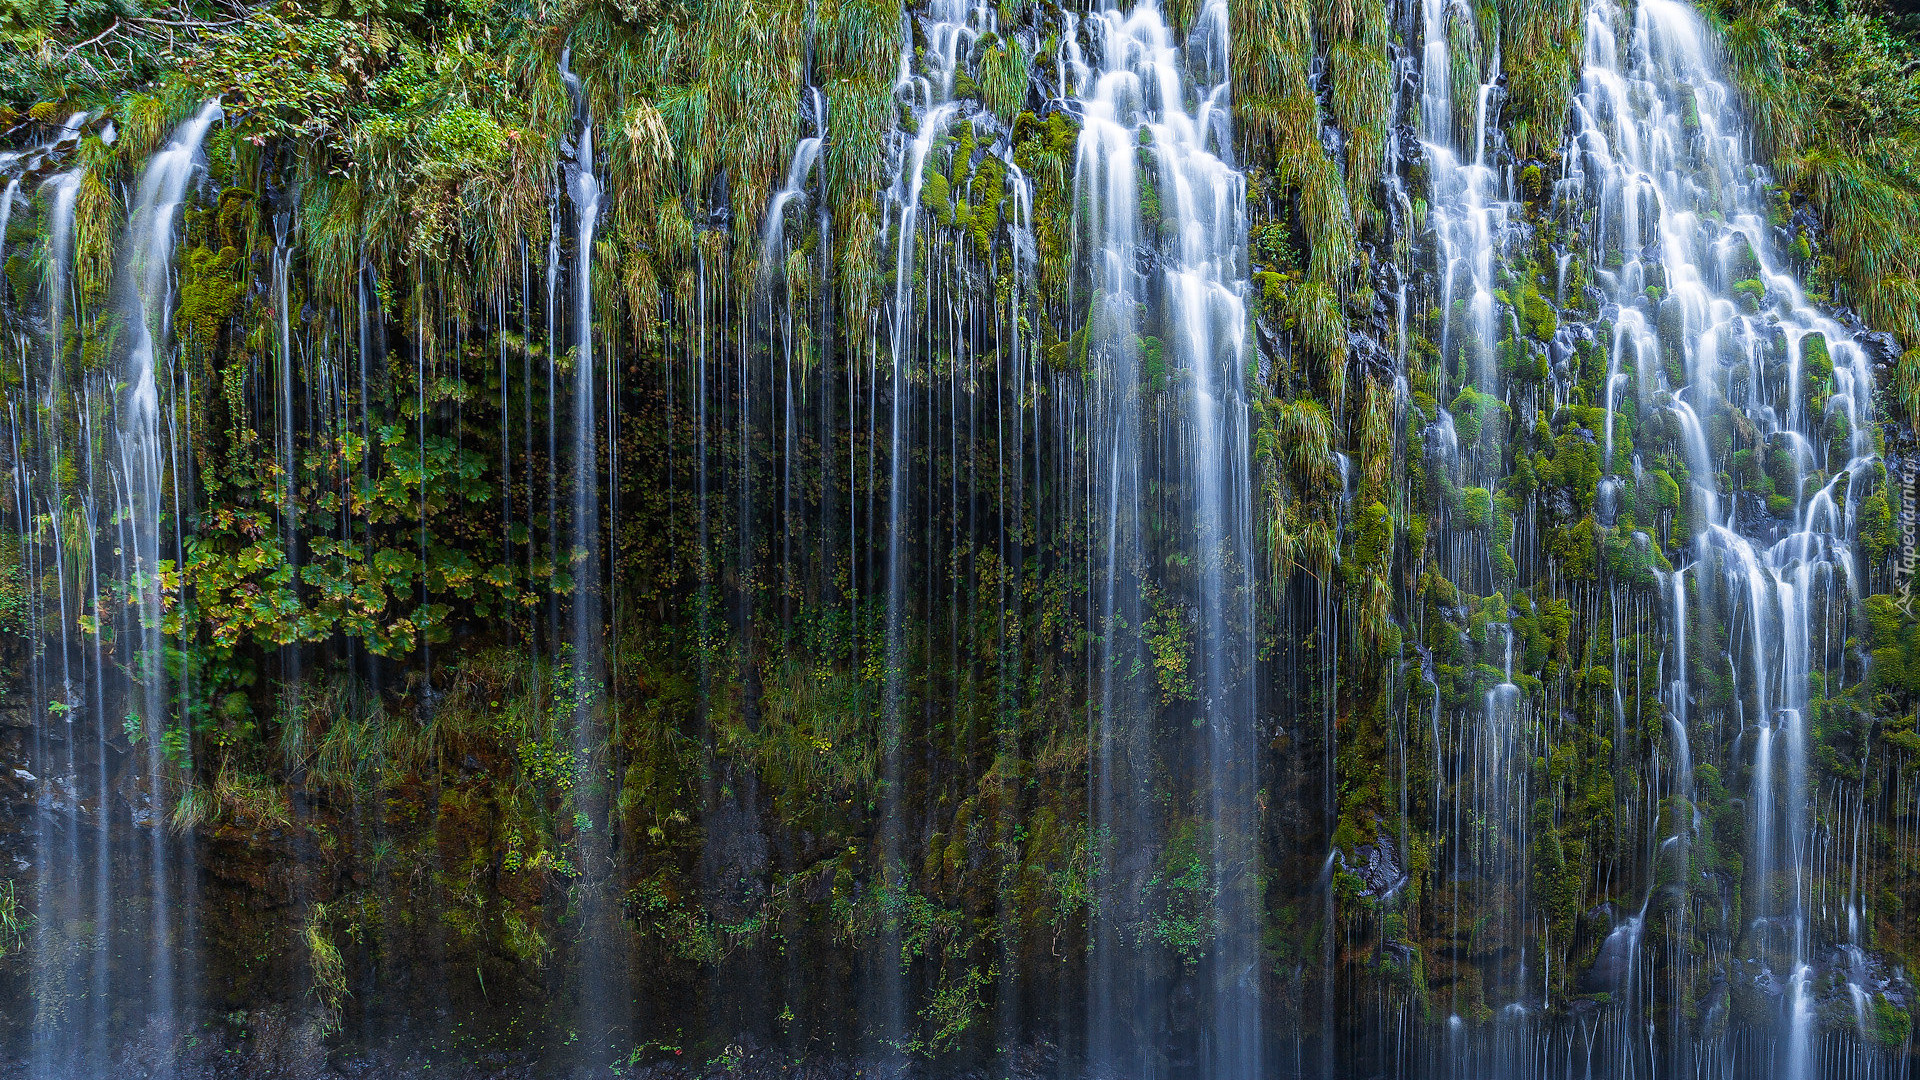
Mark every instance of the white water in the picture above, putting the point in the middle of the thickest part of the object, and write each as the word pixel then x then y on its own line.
pixel 1194 295
pixel 111 932
pixel 1469 193
pixel 583 668
pixel 1664 160
pixel 144 461
pixel 1146 95
pixel 805 152
pixel 950 28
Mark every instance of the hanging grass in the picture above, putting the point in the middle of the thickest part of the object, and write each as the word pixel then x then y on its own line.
pixel 1538 42
pixel 1874 235
pixel 1376 438
pixel 1277 128
pixel 1272 42
pixel 860 114
pixel 1337 20
pixel 1303 430
pixel 1463 62
pixel 856 38
pixel 1362 80
pixel 95 229
pixel 1320 332
pixel 1325 216
pixel 1834 99
pixel 1005 68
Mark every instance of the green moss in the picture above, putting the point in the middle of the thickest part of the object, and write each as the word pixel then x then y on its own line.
pixel 1891 1026
pixel 1662 492
pixel 1572 549
pixel 936 196
pixel 1474 413
pixel 1875 526
pixel 210 292
pixel 1816 362
pixel 1153 364
pixel 1373 535
pixel 1169 638
pixel 1556 881
pixel 1671 322
pixel 1541 321
pixel 1474 509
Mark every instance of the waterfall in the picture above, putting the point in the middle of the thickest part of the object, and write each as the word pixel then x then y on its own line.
pixel 1164 213
pixel 114 921
pixel 986 606
pixel 144 473
pixel 1459 95
pixel 805 152
pixel 1661 154
pixel 582 673
pixel 1706 360
pixel 950 28
pixel 57 1042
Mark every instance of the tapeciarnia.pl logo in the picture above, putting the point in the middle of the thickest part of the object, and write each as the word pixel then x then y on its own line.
pixel 1903 567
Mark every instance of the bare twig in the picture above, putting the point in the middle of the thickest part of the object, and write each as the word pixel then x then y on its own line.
pixel 196 24
pixel 111 27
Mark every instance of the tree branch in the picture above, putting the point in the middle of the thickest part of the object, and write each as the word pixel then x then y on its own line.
pixel 95 39
pixel 196 24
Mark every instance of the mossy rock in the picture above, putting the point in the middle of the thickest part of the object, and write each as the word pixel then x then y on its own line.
pixel 936 196
pixel 1474 508
pixel 1541 321
pixel 1816 362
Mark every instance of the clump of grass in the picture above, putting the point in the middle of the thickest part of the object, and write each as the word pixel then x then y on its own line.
pixel 1005 67
pixel 192 809
pixel 812 736
pixel 1834 98
pixel 1272 43
pixel 1312 311
pixel 250 800
pixel 328 970
pixel 1539 39
pixel 1362 83
pixel 1303 435
pixel 14 920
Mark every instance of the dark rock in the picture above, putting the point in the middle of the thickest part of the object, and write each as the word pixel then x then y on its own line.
pixel 1378 865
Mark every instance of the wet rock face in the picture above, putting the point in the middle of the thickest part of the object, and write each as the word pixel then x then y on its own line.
pixel 738 854
pixel 1379 868
pixel 17 782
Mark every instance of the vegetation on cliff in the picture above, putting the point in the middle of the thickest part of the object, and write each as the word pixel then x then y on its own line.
pixel 366 620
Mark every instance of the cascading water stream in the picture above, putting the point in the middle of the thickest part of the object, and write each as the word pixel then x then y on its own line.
pixel 115 925
pixel 1459 90
pixel 805 152
pixel 1165 232
pixel 1719 330
pixel 950 28
pixel 581 682
pixel 143 470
